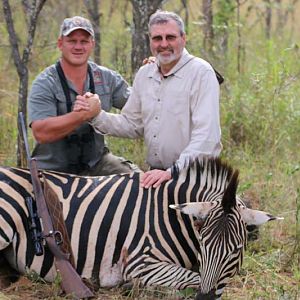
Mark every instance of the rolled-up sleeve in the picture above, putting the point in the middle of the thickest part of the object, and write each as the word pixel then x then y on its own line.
pixel 42 101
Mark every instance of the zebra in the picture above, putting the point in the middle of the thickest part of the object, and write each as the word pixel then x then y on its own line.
pixel 121 232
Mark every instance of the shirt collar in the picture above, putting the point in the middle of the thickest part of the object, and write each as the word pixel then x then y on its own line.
pixel 184 59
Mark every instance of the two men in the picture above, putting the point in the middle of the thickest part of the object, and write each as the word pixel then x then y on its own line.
pixel 65 140
pixel 174 104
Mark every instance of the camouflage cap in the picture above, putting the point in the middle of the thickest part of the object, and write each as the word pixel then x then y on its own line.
pixel 74 23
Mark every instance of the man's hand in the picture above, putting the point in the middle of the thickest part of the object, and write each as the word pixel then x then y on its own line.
pixel 155 178
pixel 89 104
pixel 149 60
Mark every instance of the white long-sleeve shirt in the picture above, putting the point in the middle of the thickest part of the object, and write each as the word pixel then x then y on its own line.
pixel 177 115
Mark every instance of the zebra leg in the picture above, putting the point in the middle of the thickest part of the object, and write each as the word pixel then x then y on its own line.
pixel 7 274
pixel 150 271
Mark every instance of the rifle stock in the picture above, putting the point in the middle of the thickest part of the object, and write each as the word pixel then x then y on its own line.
pixel 73 284
pixel 71 281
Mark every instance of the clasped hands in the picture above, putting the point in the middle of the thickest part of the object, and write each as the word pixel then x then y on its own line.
pixel 89 105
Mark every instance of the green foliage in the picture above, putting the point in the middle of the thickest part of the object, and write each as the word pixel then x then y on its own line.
pixel 34 277
pixel 225 13
pixel 260 111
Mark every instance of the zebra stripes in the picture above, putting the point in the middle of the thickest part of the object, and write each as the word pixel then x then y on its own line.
pixel 120 231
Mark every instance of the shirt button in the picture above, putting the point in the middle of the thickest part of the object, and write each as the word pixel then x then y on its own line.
pixel 156 118
pixel 158 100
pixel 155 154
pixel 154 136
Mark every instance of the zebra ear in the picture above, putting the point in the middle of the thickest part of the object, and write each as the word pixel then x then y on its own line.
pixel 229 197
pixel 200 210
pixel 256 217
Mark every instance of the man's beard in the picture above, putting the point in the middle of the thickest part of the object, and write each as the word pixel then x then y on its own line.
pixel 166 59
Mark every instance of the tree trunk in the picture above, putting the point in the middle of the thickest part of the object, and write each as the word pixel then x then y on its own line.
pixel 142 10
pixel 239 37
pixel 268 18
pixel 21 62
pixel 223 20
pixel 208 31
pixel 186 18
pixel 282 14
pixel 280 24
pixel 93 8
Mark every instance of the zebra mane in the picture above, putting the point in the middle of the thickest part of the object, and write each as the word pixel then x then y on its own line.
pixel 215 165
pixel 211 177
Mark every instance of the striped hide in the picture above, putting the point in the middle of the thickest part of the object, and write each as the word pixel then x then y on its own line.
pixel 120 231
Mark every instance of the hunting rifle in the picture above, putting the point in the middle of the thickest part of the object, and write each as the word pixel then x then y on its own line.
pixel 71 282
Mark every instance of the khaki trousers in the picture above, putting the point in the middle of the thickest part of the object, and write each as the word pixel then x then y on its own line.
pixel 111 164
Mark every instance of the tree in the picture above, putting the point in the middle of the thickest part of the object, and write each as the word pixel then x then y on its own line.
pixel 142 10
pixel 284 8
pixel 185 9
pixel 32 11
pixel 93 7
pixel 223 20
pixel 208 31
pixel 268 18
pixel 239 35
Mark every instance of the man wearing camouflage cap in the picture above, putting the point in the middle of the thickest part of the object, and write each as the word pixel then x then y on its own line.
pixel 65 141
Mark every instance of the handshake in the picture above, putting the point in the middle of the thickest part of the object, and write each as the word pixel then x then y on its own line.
pixel 88 105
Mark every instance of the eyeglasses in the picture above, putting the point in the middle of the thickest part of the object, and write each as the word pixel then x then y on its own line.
pixel 168 38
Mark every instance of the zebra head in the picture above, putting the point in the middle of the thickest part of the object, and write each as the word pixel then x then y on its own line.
pixel 222 237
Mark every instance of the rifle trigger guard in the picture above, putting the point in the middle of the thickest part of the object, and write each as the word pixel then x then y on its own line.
pixel 56 235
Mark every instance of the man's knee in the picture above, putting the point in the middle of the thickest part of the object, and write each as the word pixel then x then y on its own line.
pixel 111 164
pixel 118 164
